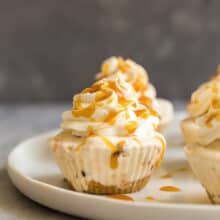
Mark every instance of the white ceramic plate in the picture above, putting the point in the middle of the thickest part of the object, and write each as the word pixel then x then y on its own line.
pixel 34 172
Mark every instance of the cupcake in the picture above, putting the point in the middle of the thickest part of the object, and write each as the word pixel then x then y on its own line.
pixel 137 76
pixel 201 131
pixel 109 142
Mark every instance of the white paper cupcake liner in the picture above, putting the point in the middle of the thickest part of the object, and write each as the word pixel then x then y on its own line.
pixel 205 163
pixel 90 170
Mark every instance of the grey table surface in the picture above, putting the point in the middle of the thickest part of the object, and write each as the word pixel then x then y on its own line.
pixel 18 122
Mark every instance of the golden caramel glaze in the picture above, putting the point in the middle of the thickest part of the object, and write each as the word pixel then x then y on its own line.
pixel 158 162
pixel 121 197
pixel 170 189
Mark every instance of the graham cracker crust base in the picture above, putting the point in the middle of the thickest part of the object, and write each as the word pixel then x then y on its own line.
pixel 98 188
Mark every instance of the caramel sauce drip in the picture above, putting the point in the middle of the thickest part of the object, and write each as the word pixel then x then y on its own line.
pixel 155 127
pixel 77 102
pixel 195 101
pixel 112 85
pixel 110 119
pixel 162 152
pixel 90 130
pixel 123 101
pixel 170 174
pixel 215 103
pixel 94 88
pixel 131 127
pixel 166 176
pixel 116 150
pixel 170 189
pixel 121 197
pixel 108 143
pixel 150 198
pixel 85 112
pixel 101 95
pixel 140 85
pixel 138 141
pixel 116 154
pixel 114 160
pixel 142 113
pixel 211 117
pixel 146 101
pixel 154 113
pixel 105 69
pixel 181 169
pixel 122 65
pixel 215 88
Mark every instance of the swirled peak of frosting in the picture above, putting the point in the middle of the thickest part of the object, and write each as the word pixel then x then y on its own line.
pixel 206 98
pixel 109 107
pixel 204 110
pixel 134 74
pixel 132 70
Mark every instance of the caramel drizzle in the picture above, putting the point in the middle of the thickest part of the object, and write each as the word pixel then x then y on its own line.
pixel 147 101
pixel 123 65
pixel 114 160
pixel 111 117
pixel 121 197
pixel 115 155
pixel 140 85
pixel 104 94
pixel 142 113
pixel 166 176
pixel 105 69
pixel 215 102
pixel 170 189
pixel 116 151
pixel 108 143
pixel 150 198
pixel 212 116
pixel 215 88
pixel 170 174
pixel 85 112
pixel 138 141
pixel 181 169
pixel 131 127
pixel 100 96
pixel 158 162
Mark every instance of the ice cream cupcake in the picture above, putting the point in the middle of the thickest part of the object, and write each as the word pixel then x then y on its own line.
pixel 137 76
pixel 109 142
pixel 201 131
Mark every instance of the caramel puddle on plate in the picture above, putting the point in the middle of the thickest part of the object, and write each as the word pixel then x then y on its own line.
pixel 121 197
pixel 170 189
pixel 166 176
pixel 181 169
pixel 170 174
pixel 150 198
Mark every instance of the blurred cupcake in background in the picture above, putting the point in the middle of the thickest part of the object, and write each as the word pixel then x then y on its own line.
pixel 108 143
pixel 137 76
pixel 201 131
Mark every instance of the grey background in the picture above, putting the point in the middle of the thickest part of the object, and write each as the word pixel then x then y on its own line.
pixel 50 49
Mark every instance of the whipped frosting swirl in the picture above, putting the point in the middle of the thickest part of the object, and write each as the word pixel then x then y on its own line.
pixel 110 108
pixel 204 110
pixel 135 75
